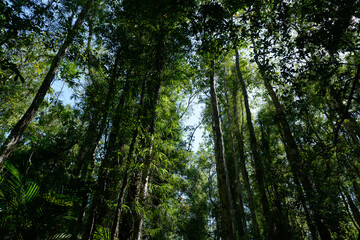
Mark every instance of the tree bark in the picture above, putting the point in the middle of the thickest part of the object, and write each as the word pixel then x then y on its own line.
pixel 120 202
pixel 282 225
pixel 228 226
pixel 354 209
pixel 300 177
pixel 240 144
pixel 238 203
pixel 149 116
pixel 258 163
pixel 96 202
pixel 87 152
pixel 143 192
pixel 116 223
pixel 20 127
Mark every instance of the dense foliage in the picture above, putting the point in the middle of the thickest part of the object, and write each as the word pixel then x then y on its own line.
pixel 279 80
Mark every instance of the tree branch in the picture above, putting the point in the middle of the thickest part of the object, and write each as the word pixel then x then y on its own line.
pixel 346 111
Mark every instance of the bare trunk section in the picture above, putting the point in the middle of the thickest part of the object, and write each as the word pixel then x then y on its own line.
pixel 300 177
pixel 353 207
pixel 143 192
pixel 80 218
pixel 228 226
pixel 258 163
pixel 240 144
pixel 125 182
pixel 239 204
pixel 149 116
pixel 20 127
pixel 120 202
pixel 292 153
pixel 128 219
pixel 94 209
pixel 132 221
pixel 282 229
pixel 87 151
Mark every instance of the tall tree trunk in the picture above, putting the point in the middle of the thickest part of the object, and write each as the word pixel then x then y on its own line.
pixel 300 177
pixel 110 166
pixel 87 153
pixel 128 219
pixel 120 202
pixel 132 221
pixel 81 215
pixel 20 127
pixel 131 226
pixel 112 160
pixel 125 182
pixel 282 225
pixel 354 209
pixel 143 192
pixel 258 163
pixel 240 144
pixel 228 222
pixel 238 198
pixel 96 201
pixel 86 158
pixel 149 121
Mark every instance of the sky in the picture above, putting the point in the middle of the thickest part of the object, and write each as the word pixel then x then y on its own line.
pixel 63 92
pixel 193 120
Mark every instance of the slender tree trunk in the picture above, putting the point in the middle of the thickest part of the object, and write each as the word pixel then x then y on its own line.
pixel 138 190
pixel 145 178
pixel 132 224
pixel 354 209
pixel 128 219
pixel 131 227
pixel 20 127
pixel 238 203
pixel 86 158
pixel 125 182
pixel 240 143
pixel 110 166
pixel 80 218
pixel 351 126
pixel 120 202
pixel 344 112
pixel 215 210
pixel 296 165
pixel 282 225
pixel 258 163
pixel 96 201
pixel 87 152
pixel 228 222
pixel 112 160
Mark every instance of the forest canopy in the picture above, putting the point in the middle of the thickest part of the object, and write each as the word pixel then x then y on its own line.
pixel 280 157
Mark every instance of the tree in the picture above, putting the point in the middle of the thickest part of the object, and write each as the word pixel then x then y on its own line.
pixel 280 157
pixel 17 131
